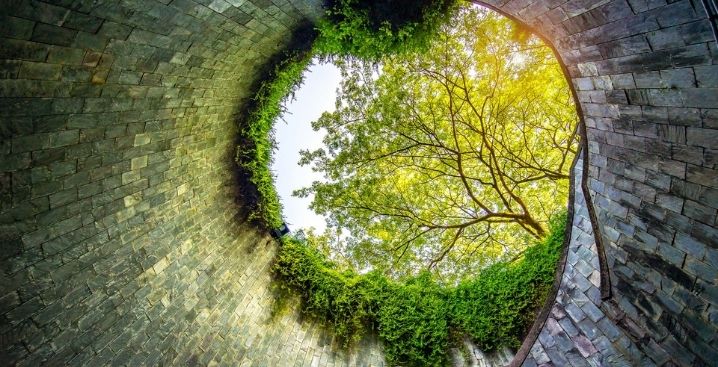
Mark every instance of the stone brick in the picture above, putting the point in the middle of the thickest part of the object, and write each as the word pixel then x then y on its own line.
pixel 115 30
pixel 22 50
pixel 141 139
pixel 689 245
pixel 671 254
pixel 703 176
pixel 684 116
pixel 699 212
pixel 139 162
pixel 50 34
pixel 64 138
pixel 63 198
pixel 184 69
pixel 700 269
pixel 707 76
pixel 583 84
pixel 593 312
pixel 702 98
pixel 92 42
pixel 623 81
pixel 65 55
pixel 670 202
pixel 41 71
pixel 701 137
pixel 678 78
pixel 82 22
pixel 665 38
pixel 13 27
pixel 648 80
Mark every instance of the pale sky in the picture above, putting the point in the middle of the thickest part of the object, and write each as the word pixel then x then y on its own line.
pixel 316 95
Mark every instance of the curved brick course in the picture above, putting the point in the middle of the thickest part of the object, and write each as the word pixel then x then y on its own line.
pixel 645 76
pixel 577 332
pixel 122 241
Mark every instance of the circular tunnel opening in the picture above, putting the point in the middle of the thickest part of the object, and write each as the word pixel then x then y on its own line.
pixel 124 242
pixel 436 168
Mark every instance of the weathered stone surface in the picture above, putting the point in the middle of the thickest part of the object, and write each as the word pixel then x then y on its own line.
pixel 117 123
pixel 581 325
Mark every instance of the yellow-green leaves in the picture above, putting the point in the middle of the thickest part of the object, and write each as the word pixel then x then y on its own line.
pixel 451 159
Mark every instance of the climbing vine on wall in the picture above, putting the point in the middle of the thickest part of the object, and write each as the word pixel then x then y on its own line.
pixel 254 155
pixel 359 28
pixel 417 318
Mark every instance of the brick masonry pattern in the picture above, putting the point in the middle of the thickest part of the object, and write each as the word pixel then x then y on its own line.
pixel 120 230
pixel 122 240
pixel 645 76
pixel 644 73
pixel 577 332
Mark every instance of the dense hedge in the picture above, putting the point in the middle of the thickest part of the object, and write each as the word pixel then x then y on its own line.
pixel 418 319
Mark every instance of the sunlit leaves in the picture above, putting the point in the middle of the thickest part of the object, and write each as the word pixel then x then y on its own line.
pixel 451 159
pixel 371 29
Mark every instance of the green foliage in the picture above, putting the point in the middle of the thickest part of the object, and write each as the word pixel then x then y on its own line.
pixel 417 318
pixel 496 308
pixel 343 299
pixel 448 159
pixel 254 153
pixel 370 29
pixel 414 322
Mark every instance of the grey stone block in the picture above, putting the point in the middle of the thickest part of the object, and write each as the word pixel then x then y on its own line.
pixel 707 76
pixel 202 64
pixel 40 71
pixel 13 27
pixel 50 34
pixel 64 138
pixel 593 312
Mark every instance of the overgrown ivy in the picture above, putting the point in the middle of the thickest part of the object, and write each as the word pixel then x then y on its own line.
pixel 370 29
pixel 254 154
pixel 359 28
pixel 419 319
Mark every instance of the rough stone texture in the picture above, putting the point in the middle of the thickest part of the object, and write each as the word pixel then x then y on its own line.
pixel 644 74
pixel 577 332
pixel 121 242
pixel 468 354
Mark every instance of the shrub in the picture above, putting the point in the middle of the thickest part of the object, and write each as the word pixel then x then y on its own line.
pixel 497 307
pixel 418 319
pixel 372 29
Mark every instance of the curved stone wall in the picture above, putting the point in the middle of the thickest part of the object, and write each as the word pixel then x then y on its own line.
pixel 576 331
pixel 123 241
pixel 645 75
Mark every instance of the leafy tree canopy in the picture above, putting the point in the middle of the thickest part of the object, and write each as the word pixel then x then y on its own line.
pixel 447 160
